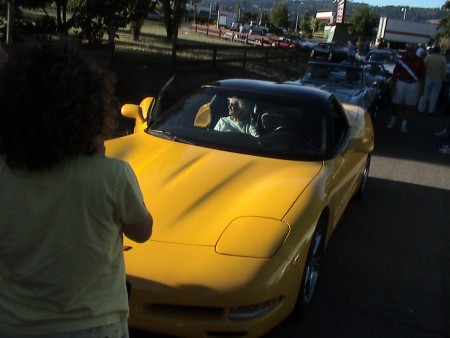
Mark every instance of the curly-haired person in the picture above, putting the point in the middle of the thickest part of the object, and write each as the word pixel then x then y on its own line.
pixel 64 205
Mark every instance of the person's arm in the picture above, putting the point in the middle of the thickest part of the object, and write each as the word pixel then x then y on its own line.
pixel 136 220
pixel 139 231
pixel 220 125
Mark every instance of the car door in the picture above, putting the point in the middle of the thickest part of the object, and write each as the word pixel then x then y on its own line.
pixel 343 167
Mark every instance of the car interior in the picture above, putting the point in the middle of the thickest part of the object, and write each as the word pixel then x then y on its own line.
pixel 290 127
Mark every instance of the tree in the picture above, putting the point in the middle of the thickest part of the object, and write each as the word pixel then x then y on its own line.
pixel 305 24
pixel 444 29
pixel 94 18
pixel 280 15
pixel 362 24
pixel 314 25
pixel 139 10
pixel 61 17
pixel 174 11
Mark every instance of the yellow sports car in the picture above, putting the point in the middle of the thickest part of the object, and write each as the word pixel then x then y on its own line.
pixel 246 181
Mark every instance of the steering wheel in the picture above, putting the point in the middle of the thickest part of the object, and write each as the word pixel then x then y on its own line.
pixel 301 139
pixel 285 129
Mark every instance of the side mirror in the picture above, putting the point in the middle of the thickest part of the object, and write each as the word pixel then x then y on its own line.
pixel 138 113
pixel 132 111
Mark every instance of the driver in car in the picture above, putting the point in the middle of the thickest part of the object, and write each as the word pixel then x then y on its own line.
pixel 238 119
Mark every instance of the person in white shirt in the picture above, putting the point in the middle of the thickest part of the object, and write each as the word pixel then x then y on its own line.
pixel 238 119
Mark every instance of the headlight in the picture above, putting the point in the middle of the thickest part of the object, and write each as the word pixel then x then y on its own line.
pixel 256 237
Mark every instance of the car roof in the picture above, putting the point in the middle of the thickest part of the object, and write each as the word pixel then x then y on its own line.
pixel 335 64
pixel 383 51
pixel 371 62
pixel 272 88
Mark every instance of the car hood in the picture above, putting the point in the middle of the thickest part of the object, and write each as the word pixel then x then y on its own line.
pixel 194 193
pixel 344 92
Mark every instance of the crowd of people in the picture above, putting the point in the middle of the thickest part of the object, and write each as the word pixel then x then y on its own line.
pixel 416 84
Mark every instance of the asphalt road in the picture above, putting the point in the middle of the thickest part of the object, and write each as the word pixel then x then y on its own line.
pixel 386 272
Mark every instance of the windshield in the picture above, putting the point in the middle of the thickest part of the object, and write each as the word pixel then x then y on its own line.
pixel 253 123
pixel 381 57
pixel 351 76
pixel 375 71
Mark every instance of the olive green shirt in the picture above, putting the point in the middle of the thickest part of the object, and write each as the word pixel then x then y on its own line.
pixel 61 257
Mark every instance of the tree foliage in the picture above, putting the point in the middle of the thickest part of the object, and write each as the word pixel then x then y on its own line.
pixel 444 27
pixel 280 15
pixel 93 19
pixel 362 23
pixel 305 23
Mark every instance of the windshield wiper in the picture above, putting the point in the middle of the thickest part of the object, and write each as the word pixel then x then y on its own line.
pixel 169 136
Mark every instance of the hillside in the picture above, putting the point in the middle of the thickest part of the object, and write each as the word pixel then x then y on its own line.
pixel 313 6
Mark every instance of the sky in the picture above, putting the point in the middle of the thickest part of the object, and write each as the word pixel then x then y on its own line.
pixel 408 3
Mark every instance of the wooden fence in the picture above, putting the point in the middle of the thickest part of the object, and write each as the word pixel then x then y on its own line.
pixel 248 48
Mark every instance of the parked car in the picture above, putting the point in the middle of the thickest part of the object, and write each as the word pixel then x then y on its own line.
pixel 375 71
pixel 281 41
pixel 257 34
pixel 292 42
pixel 332 51
pixel 155 16
pixel 384 55
pixel 348 82
pixel 241 221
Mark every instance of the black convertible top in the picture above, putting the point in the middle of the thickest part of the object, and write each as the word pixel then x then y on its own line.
pixel 273 88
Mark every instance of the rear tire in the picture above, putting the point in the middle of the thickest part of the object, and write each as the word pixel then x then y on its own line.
pixel 364 179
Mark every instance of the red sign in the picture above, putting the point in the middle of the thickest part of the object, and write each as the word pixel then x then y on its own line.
pixel 340 15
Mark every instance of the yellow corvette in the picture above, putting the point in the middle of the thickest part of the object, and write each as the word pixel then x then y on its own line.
pixel 241 216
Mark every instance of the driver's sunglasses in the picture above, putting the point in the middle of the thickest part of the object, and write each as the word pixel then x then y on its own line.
pixel 233 105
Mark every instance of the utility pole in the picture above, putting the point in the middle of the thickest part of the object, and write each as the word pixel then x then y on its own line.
pixel 404 13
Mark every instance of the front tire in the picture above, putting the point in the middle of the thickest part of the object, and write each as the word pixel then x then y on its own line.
pixel 312 268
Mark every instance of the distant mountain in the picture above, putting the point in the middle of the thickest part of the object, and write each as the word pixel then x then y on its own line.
pixel 314 6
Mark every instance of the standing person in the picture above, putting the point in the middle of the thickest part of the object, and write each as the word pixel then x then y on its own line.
pixel 241 30
pixel 444 132
pixel 408 74
pixel 445 148
pixel 421 52
pixel 436 72
pixel 351 52
pixel 64 205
